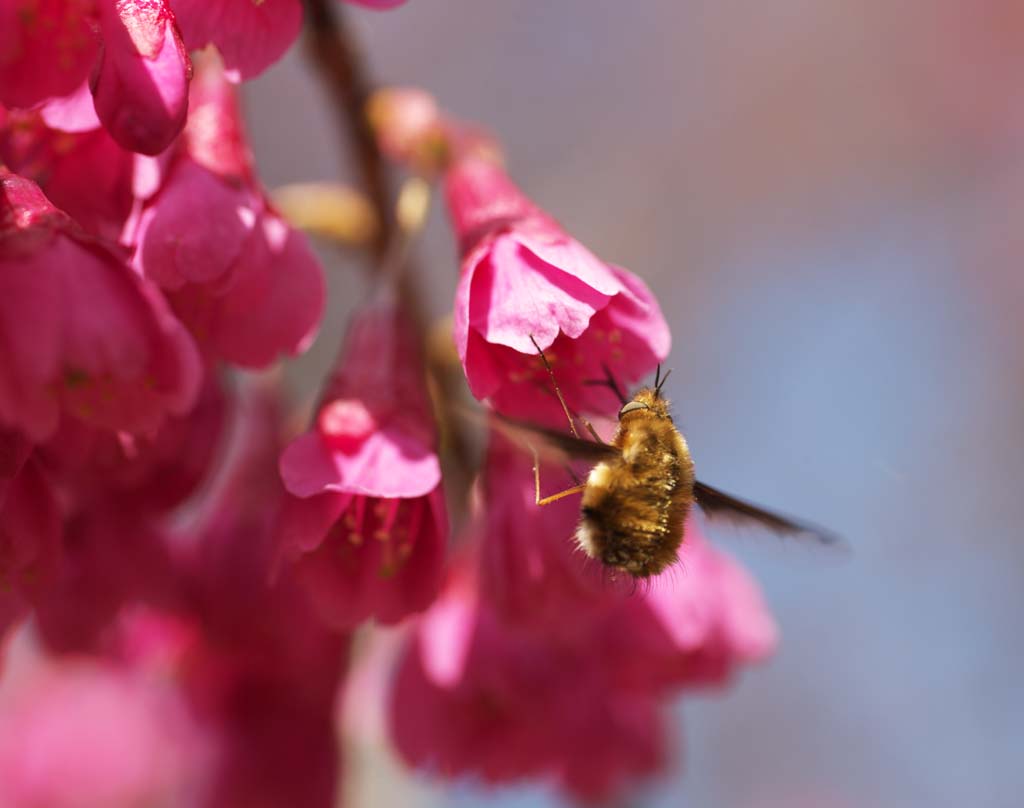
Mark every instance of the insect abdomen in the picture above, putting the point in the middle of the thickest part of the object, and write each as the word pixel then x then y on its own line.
pixel 634 508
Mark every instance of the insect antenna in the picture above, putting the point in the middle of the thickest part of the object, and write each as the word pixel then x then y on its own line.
pixel 554 382
pixel 659 380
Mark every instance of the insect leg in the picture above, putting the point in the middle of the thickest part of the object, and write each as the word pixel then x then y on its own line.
pixel 576 489
pixel 609 382
pixel 551 373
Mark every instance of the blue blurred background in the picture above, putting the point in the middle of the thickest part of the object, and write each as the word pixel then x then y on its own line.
pixel 828 199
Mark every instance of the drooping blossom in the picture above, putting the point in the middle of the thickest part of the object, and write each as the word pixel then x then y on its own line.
pixel 263 671
pixel 534 664
pixel 79 331
pixel 522 276
pixel 92 735
pixel 366 524
pixel 190 601
pixel 130 51
pixel 112 556
pixel 476 696
pixel 154 473
pixel 140 85
pixel 245 284
pixel 532 569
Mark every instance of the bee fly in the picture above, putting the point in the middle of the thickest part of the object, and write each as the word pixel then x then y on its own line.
pixel 637 495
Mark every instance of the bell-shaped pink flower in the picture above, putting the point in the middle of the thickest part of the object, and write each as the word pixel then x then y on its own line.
pixel 79 331
pixel 245 284
pixel 140 86
pixel 696 624
pixel 47 48
pixel 92 735
pixel 476 696
pixel 366 522
pixel 155 473
pixel 522 277
pixel 531 567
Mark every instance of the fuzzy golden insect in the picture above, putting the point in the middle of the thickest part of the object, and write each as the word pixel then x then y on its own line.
pixel 639 492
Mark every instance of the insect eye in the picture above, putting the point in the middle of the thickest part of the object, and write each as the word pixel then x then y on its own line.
pixel 632 406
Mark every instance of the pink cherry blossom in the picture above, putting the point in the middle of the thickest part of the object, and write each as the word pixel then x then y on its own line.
pixel 474 695
pixel 531 568
pixel 140 86
pixel 523 276
pixel 260 671
pixel 83 171
pixel 697 623
pixel 80 332
pixel 157 473
pixel 366 522
pixel 94 736
pixel 246 285
pixel 47 48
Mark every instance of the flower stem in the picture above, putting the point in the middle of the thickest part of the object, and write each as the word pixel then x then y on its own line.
pixel 335 57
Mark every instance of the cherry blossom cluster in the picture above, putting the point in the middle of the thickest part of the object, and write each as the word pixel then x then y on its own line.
pixel 192 567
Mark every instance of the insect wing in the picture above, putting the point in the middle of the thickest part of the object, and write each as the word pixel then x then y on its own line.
pixel 552 443
pixel 719 505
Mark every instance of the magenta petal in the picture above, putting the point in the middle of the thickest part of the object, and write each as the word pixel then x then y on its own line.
pixel 141 85
pixel 515 295
pixel 47 48
pixel 72 113
pixel 275 301
pixel 250 36
pixel 446 633
pixel 305 522
pixel 636 311
pixel 389 463
pixel 196 229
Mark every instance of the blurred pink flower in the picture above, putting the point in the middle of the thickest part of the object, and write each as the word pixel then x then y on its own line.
pixel 474 695
pixel 47 48
pixel 531 568
pixel 246 285
pixel 531 664
pixel 140 86
pixel 522 275
pixel 30 530
pixel 156 473
pixel 260 671
pixel 92 736
pixel 112 557
pixel 79 331
pixel 366 522
pixel 696 624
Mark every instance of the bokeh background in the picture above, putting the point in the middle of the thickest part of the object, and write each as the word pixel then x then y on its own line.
pixel 828 199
